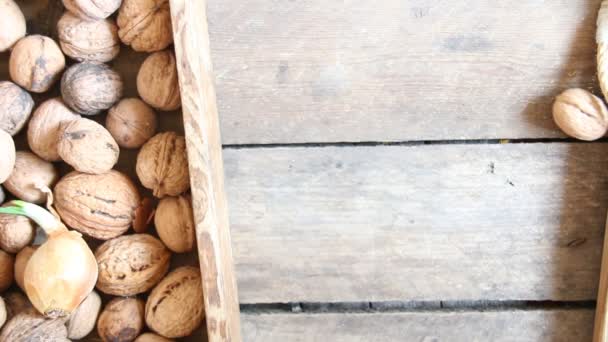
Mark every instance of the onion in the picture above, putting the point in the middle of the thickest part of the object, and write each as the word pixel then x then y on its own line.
pixel 62 271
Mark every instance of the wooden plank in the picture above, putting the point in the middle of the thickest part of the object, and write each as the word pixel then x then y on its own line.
pixel 318 70
pixel 600 331
pixel 438 222
pixel 201 125
pixel 520 326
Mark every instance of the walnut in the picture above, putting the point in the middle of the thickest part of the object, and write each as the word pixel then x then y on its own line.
pixel 101 206
pixel 30 173
pixel 15 107
pixel 7 145
pixel 174 223
pixel 7 264
pixel 149 337
pixel 145 25
pixel 36 63
pixel 43 129
pixel 131 264
pixel 175 307
pixel 162 165
pixel 12 24
pixel 157 81
pixel 87 146
pixel 95 41
pixel 16 232
pixel 131 122
pixel 92 9
pixel 32 326
pixel 90 88
pixel 581 114
pixel 3 312
pixel 121 320
pixel 82 320
pixel 21 260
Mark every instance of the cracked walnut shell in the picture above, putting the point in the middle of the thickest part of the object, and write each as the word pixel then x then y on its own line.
pixel 36 63
pixel 581 114
pixel 43 129
pixel 82 40
pixel 121 320
pixel 145 25
pixel 157 81
pixel 15 107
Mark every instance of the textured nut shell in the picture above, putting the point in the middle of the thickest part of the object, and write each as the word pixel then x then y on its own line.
pixel 131 122
pixel 131 264
pixel 16 232
pixel 580 114
pixel 92 9
pixel 32 326
pixel 21 260
pixel 3 312
pixel 175 307
pixel 36 63
pixel 121 320
pixel 162 165
pixel 149 337
pixel 7 264
pixel 157 81
pixel 174 223
pixel 87 146
pixel 12 24
pixel 101 206
pixel 15 107
pixel 29 173
pixel 90 88
pixel 43 129
pixel 7 161
pixel 145 25
pixel 82 320
pixel 95 41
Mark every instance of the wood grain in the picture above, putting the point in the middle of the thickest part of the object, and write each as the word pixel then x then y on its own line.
pixel 201 125
pixel 440 222
pixel 520 326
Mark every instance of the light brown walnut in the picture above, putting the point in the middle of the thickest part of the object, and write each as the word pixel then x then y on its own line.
pixel 32 326
pixel 15 107
pixel 12 24
pixel 174 223
pixel 7 159
pixel 30 173
pixel 157 81
pixel 145 25
pixel 121 320
pixel 131 122
pixel 581 114
pixel 82 320
pixel 21 260
pixel 16 232
pixel 92 9
pixel 7 273
pixel 36 63
pixel 90 88
pixel 150 337
pixel 83 40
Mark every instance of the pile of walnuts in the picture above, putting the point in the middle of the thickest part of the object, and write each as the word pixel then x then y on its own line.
pixel 86 128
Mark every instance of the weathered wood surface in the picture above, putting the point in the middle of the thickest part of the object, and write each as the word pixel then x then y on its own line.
pixel 439 222
pixel 509 326
pixel 317 70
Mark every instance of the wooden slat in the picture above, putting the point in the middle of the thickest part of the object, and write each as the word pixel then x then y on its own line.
pixel 439 222
pixel 520 326
pixel 394 70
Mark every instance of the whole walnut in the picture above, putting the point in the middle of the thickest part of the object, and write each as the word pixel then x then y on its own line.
pixel 30 173
pixel 36 63
pixel 145 25
pixel 157 81
pixel 87 146
pixel 32 326
pixel 175 307
pixel 131 264
pixel 174 223
pixel 7 161
pixel 101 206
pixel 95 41
pixel 92 9
pixel 21 260
pixel 16 232
pixel 121 320
pixel 90 88
pixel 162 165
pixel 15 107
pixel 82 320
pixel 7 264
pixel 581 114
pixel 131 122
pixel 12 24
pixel 149 337
pixel 43 129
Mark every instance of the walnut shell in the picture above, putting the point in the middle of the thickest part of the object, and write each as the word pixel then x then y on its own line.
pixel 43 129
pixel 90 88
pixel 32 326
pixel 92 9
pixel 121 320
pixel 16 232
pixel 101 206
pixel 157 81
pixel 145 25
pixel 95 41
pixel 131 122
pixel 174 223
pixel 162 165
pixel 36 63
pixel 12 24
pixel 149 337
pixel 581 114
pixel 87 146
pixel 15 107
pixel 7 163
pixel 131 264
pixel 82 320
pixel 7 264
pixel 21 260
pixel 175 307
pixel 30 173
